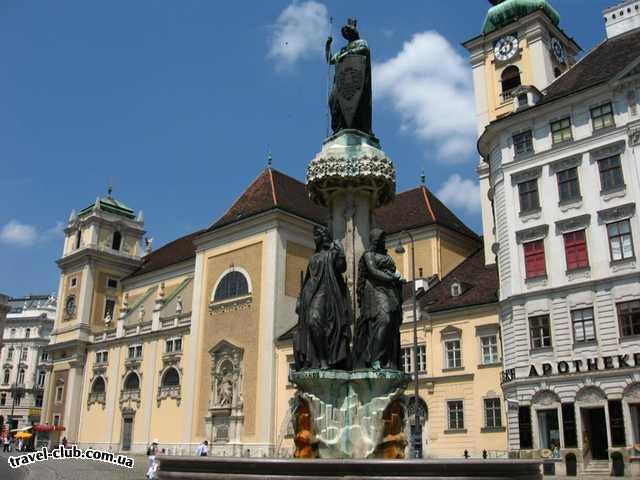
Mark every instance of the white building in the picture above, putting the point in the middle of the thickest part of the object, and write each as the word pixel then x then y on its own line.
pixel 22 372
pixel 561 175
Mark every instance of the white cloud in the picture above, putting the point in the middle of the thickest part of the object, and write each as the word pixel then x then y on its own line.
pixel 300 31
pixel 24 235
pixel 460 193
pixel 429 84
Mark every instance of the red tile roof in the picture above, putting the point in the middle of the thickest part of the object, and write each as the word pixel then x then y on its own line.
pixel 479 286
pixel 275 190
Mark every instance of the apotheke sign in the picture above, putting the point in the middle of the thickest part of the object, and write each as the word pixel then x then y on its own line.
pixel 612 362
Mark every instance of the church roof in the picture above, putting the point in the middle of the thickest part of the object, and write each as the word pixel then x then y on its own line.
pixel 272 189
pixel 479 286
pixel 111 205
pixel 505 12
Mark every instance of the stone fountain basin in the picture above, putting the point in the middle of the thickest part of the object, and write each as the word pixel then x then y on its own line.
pixel 204 468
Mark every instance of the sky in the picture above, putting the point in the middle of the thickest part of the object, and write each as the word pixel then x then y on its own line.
pixel 178 104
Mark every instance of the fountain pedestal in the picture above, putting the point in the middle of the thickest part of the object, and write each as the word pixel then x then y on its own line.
pixel 352 413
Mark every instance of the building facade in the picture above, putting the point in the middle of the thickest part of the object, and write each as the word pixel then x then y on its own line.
pixel 185 343
pixel 560 169
pixel 23 368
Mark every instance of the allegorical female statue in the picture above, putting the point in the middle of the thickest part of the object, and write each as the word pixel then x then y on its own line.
pixel 350 100
pixel 377 337
pixel 323 334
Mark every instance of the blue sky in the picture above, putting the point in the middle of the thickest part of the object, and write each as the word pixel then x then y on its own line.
pixel 178 104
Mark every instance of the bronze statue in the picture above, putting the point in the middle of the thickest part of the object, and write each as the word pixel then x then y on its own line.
pixel 377 337
pixel 350 100
pixel 323 334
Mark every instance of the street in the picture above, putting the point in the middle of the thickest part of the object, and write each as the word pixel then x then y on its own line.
pixel 72 470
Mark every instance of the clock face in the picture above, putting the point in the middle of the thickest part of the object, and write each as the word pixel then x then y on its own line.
pixel 506 48
pixel 70 306
pixel 558 51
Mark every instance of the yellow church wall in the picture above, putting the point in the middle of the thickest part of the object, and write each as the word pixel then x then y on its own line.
pixel 297 260
pixel 100 294
pixel 68 290
pixel 238 327
pixel 452 253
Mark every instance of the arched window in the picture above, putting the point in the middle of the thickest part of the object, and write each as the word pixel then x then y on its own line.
pixel 170 378
pixel 510 79
pixel 27 333
pixel 21 376
pixel 7 375
pixel 132 382
pixel 117 241
pixel 98 385
pixel 233 284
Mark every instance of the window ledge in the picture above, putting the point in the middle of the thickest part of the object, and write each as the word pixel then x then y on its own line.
pixel 452 369
pixel 588 343
pixel 570 204
pixel 490 365
pixel 531 213
pixel 561 144
pixel 603 130
pixel 231 304
pixel 541 350
pixel 492 429
pixel 455 431
pixel 624 264
pixel 629 338
pixel 539 281
pixel 612 193
pixel 523 156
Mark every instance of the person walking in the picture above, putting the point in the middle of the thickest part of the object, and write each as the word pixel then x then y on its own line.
pixel 203 449
pixel 5 443
pixel 152 451
pixel 20 445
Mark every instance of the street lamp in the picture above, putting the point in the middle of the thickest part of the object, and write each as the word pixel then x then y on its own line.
pixel 416 433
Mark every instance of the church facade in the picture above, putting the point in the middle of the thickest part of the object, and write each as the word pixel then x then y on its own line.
pixel 188 342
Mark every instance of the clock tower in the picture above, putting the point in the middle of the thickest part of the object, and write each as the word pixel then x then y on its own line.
pixel 520 49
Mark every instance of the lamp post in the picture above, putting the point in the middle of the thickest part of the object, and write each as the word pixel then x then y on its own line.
pixel 416 433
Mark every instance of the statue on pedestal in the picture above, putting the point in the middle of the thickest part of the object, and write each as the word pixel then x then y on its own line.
pixel 377 337
pixel 323 334
pixel 350 100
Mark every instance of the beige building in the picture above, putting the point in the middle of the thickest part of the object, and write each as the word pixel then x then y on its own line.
pixel 182 343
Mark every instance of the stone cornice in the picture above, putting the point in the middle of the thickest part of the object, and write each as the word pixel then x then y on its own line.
pixel 620 212
pixel 531 234
pixel 571 224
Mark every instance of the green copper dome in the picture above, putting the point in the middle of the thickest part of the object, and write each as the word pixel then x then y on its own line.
pixel 507 11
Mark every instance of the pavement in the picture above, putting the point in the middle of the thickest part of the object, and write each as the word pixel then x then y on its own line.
pixel 70 469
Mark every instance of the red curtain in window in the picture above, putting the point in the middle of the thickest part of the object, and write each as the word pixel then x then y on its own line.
pixel 575 247
pixel 534 259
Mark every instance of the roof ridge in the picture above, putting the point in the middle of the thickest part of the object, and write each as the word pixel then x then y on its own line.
pixel 233 204
pixel 595 47
pixel 273 186
pixel 428 203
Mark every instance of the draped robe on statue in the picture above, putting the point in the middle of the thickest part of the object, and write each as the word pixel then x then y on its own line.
pixel 324 314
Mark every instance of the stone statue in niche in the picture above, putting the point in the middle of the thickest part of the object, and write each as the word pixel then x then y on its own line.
pixel 225 389
pixel 179 305
pixel 323 334
pixel 350 100
pixel 379 289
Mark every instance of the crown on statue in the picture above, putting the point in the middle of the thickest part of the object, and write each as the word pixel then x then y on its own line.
pixel 352 22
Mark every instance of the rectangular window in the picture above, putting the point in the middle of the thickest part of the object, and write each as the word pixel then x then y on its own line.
pixel 534 260
pixel 23 355
pixel 112 283
pixel 602 116
pixel 540 330
pixel 6 377
pixel 492 413
pixel 45 356
pixel 59 393
pixel 620 240
pixel 456 415
pixel 454 354
pixel 489 346
pixel 611 177
pixel 174 345
pixel 568 185
pixel 561 130
pixel 523 143
pixel 584 328
pixel 616 420
pixel 135 351
pixel 3 399
pixel 102 356
pixel 529 199
pixel 629 318
pixel 109 308
pixel 569 425
pixel 407 359
pixel 56 420
pixel 41 377
pixel 10 354
pixel 39 400
pixel 575 249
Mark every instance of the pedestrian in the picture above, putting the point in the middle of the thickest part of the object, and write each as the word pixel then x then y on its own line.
pixel 20 444
pixel 203 449
pixel 64 442
pixel 152 451
pixel 5 443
